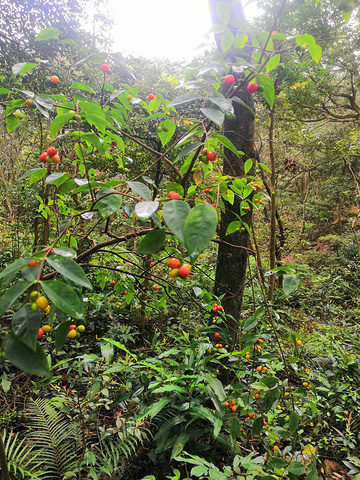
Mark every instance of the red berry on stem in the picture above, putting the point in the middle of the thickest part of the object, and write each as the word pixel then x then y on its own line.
pixel 51 151
pixel 174 263
pixel 173 195
pixel 150 96
pixel 211 156
pixel 40 333
pixel 72 327
pixel 217 335
pixel 113 282
pixel 184 271
pixel 105 68
pixel 229 79
pixel 252 87
pixel 43 157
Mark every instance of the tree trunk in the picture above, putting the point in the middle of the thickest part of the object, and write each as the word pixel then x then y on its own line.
pixel 233 249
pixel 272 262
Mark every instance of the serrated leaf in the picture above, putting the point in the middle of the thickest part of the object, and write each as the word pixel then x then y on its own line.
pixel 199 229
pixel 175 213
pixel 68 268
pixel 23 357
pixel 144 210
pixel 25 325
pixel 141 189
pixel 214 114
pixel 109 202
pixel 47 34
pixel 152 242
pixel 12 294
pixel 64 298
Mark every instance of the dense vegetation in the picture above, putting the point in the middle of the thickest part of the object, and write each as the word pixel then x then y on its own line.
pixel 179 263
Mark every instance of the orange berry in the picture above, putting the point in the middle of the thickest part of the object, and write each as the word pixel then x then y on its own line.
pixel 174 263
pixel 184 271
pixel 259 368
pixel 257 396
pixel 54 79
pixel 226 404
pixel 275 448
pixel 234 408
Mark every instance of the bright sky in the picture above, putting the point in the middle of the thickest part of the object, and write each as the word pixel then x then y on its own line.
pixel 163 28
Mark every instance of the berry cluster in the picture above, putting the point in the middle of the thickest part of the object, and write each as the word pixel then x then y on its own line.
pixel 178 270
pixel 50 156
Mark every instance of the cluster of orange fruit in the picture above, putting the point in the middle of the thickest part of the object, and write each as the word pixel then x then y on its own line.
pixel 178 270
pixel 50 156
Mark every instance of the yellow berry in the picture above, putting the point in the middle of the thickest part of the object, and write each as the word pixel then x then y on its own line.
pixel 72 334
pixel 81 328
pixel 46 328
pixel 42 303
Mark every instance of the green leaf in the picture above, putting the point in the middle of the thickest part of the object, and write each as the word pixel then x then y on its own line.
pixel 293 422
pixel 296 468
pixel 16 266
pixel 188 97
pixel 59 121
pixel 23 357
pixel 25 325
pixel 64 298
pixel 257 425
pixel 277 463
pixel 47 34
pixel 214 114
pixel 238 100
pixel 56 176
pixel 200 226
pixel 144 210
pixel 65 252
pixel 19 68
pixel 223 10
pixel 68 268
pixel 188 149
pixel 265 167
pixel 12 123
pixel 227 41
pixel 269 89
pixel 315 52
pixel 273 63
pixel 199 471
pixel 155 408
pixel 61 334
pixel 233 227
pixel 81 86
pixel 164 135
pixel 38 175
pixel 216 386
pixel 108 202
pixel 290 282
pixel 175 213
pixel 141 189
pixel 248 165
pixel 11 295
pixel 4 91
pixel 152 242
pixel 226 142
pixel 224 104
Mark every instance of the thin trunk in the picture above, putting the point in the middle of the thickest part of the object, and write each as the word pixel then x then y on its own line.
pixel 304 204
pixel 272 263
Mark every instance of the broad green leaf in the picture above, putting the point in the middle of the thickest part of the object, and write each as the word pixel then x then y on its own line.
pixel 69 269
pixel 25 325
pixel 65 252
pixel 4 91
pixel 226 142
pixel 11 295
pixel 200 226
pixel 56 176
pixel 23 67
pixel 188 149
pixel 59 121
pixel 188 97
pixel 273 63
pixel 144 210
pixel 223 10
pixel 315 52
pixel 152 242
pixel 38 175
pixel 290 282
pixel 179 444
pixel 16 266
pixel 141 189
pixel 165 131
pixel 23 357
pixel 277 463
pixel 12 123
pixel 81 86
pixel 269 89
pixel 64 298
pixel 175 213
pixel 238 100
pixel 257 425
pixel 45 102
pixel 175 187
pixel 224 104
pixel 233 227
pixel 199 470
pixel 296 468
pixel 216 386
pixel 293 422
pixel 248 165
pixel 61 334
pixel 155 408
pixel 227 41
pixel 214 114
pixel 109 202
pixel 314 476
pixel 47 34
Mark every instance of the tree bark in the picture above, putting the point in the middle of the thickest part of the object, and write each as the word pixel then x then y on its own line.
pixel 234 249
pixel 272 262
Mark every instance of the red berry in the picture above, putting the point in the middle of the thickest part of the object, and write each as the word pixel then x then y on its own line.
pixel 43 157
pixel 215 308
pixel 33 263
pixel 206 190
pixel 234 408
pixel 150 96
pixel 40 333
pixel 229 79
pixel 113 282
pixel 213 205
pixel 226 404
pixel 184 271
pixel 174 263
pixel 51 151
pixel 105 68
pixel 173 195
pixel 252 87
pixel 211 156
pixel 219 307
pixel 232 402
pixel 217 335
pixel 72 327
